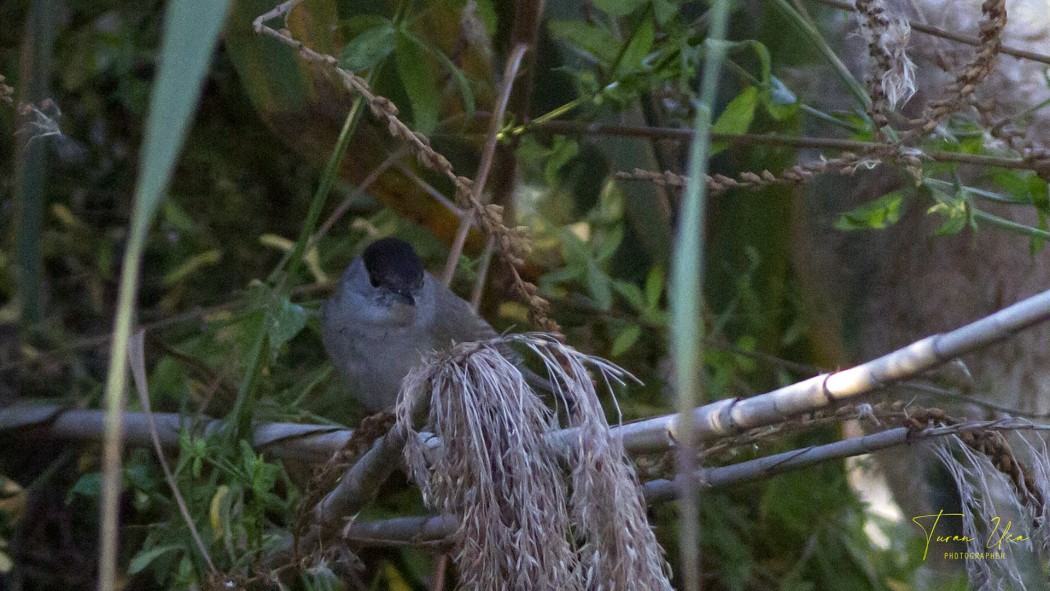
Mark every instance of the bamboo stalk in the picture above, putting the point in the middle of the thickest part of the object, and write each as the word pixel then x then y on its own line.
pixel 433 529
pixel 732 415
pixel 312 443
pixel 724 417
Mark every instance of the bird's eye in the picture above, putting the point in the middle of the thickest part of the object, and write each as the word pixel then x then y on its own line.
pixel 373 279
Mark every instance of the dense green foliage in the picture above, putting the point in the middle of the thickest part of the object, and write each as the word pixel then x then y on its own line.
pixel 230 311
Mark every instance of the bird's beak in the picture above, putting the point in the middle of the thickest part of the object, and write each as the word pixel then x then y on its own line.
pixel 406 297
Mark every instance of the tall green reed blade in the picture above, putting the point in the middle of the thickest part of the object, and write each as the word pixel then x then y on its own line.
pixel 191 28
pixel 283 278
pixel 686 293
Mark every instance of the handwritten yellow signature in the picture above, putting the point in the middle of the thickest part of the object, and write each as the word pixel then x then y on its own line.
pixel 993 542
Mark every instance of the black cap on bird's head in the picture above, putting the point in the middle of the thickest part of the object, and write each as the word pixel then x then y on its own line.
pixel 393 265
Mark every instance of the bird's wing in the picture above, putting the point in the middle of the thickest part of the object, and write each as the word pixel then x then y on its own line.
pixel 462 324
pixel 457 321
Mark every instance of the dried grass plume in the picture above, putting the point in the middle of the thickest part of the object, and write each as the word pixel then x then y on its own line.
pixel 500 472
pixel 1004 506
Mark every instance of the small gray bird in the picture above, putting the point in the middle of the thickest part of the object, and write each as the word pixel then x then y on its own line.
pixel 386 313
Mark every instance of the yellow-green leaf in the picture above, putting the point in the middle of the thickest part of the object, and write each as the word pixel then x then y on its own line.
pixel 736 118
pixel 417 77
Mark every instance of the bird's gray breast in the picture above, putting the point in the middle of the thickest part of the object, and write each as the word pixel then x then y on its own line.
pixel 373 357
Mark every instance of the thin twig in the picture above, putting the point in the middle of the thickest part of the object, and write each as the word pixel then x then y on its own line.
pixel 358 485
pixel 339 211
pixel 980 401
pixel 483 270
pixel 430 190
pixel 778 140
pixel 487 155
pixel 439 573
pixel 136 357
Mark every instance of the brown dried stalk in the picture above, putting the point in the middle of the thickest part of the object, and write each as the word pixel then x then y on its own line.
pixel 514 245
pixel 952 36
pixel 966 81
pixel 891 80
pixel 488 154
pixel 1004 131
pixel 325 476
pixel 845 163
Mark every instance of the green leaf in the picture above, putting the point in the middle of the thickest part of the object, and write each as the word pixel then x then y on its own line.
pixel 466 93
pixel 191 29
pixel 626 339
pixel 563 150
pixel 177 217
pixel 359 23
pixel 419 82
pixel 736 118
pixel 146 557
pixel 655 317
pixel 873 215
pixel 609 243
pixel 575 249
pixel 591 38
pixel 1013 182
pixel 192 265
pixel 599 285
pixel 568 273
pixel 664 11
pixel 631 293
pixel 285 321
pixel 1037 187
pixel 957 216
pixel 88 485
pixel 619 7
pixel 369 48
pixel 190 32
pixel 636 50
pixel 486 12
pixel 654 286
pixel 139 476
